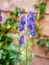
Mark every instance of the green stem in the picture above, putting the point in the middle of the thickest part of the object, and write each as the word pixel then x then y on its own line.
pixel 26 49
pixel 39 12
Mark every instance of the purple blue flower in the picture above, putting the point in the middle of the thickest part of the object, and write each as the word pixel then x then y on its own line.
pixel 19 11
pixel 21 41
pixel 31 22
pixel 30 14
pixel 21 27
pixel 32 32
pixel 23 19
pixel 0 16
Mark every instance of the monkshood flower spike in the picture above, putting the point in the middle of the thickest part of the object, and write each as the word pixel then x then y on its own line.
pixel 31 22
pixel 21 41
pixel 22 22
pixel 0 15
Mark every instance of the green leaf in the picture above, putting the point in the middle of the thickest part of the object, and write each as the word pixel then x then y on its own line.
pixel 9 35
pixel 11 12
pixel 47 43
pixel 33 54
pixel 36 39
pixel 1 36
pixel 30 43
pixel 42 7
pixel 13 47
pixel 1 28
pixel 27 62
pixel 44 36
pixel 35 6
pixel 37 28
pixel 1 45
pixel 37 32
pixel 16 12
pixel 15 24
pixel 35 16
pixel 8 21
pixel 40 17
pixel 40 43
pixel 1 52
pixel 14 55
pixel 8 40
pixel 15 35
pixel 7 26
pixel 2 55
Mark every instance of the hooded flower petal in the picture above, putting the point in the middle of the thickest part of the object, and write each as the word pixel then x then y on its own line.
pixel 21 41
pixel 30 14
pixel 32 32
pixel 21 27
pixel 23 19
pixel 0 18
pixel 19 11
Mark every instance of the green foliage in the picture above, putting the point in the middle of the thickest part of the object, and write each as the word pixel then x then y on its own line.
pixel 37 28
pixel 15 12
pixel 47 43
pixel 15 24
pixel 41 43
pixel 30 43
pixel 9 52
pixel 9 24
pixel 1 27
pixel 9 55
pixel 41 9
pixel 1 45
pixel 38 17
pixel 36 39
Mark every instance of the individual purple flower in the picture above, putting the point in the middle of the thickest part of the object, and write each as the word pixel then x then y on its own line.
pixel 0 16
pixel 21 41
pixel 23 19
pixel 30 21
pixel 21 27
pixel 30 24
pixel 32 32
pixel 30 14
pixel 19 11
